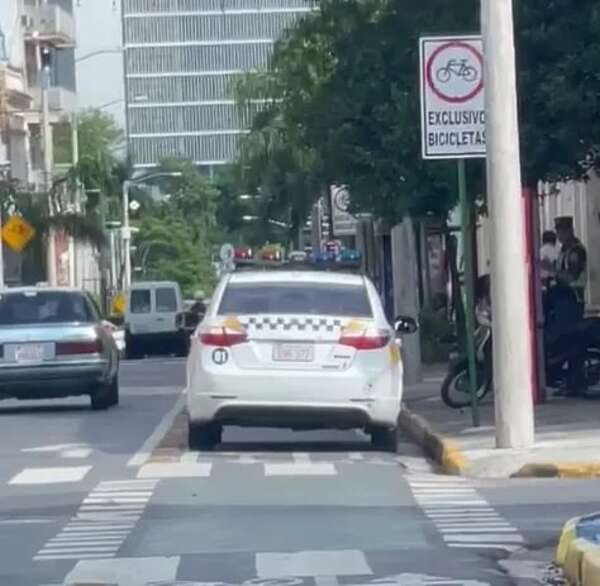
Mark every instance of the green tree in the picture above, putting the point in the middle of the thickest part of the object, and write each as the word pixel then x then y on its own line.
pixel 558 52
pixel 344 84
pixel 177 233
pixel 99 135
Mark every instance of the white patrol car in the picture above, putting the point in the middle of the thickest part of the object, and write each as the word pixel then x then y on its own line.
pixel 295 349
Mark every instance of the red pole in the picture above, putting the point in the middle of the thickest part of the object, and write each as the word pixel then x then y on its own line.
pixel 536 319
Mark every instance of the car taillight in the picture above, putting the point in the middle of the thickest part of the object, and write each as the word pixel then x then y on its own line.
pixel 86 347
pixel 222 337
pixel 365 341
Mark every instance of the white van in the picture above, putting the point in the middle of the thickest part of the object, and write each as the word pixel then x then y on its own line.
pixel 154 319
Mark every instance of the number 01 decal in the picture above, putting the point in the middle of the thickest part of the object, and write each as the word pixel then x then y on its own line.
pixel 220 356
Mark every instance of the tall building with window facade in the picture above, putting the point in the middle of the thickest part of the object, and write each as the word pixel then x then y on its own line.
pixel 182 58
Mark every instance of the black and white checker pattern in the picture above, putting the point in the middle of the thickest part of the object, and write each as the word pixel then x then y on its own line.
pixel 299 324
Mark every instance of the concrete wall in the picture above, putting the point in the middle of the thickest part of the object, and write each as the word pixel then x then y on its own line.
pixel 406 295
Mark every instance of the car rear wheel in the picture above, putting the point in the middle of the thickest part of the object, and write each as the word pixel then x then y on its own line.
pixel 106 396
pixel 182 346
pixel 204 436
pixel 385 439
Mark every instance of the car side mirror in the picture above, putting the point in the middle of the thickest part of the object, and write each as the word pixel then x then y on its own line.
pixel 405 325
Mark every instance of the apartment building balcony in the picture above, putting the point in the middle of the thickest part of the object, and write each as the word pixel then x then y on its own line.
pixel 13 86
pixel 62 102
pixel 48 23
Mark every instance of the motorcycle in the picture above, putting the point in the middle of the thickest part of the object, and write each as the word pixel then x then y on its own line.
pixel 583 342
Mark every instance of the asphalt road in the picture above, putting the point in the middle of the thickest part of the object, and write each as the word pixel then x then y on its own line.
pixel 92 498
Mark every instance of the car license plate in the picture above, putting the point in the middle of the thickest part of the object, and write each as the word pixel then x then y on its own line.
pixel 29 353
pixel 293 352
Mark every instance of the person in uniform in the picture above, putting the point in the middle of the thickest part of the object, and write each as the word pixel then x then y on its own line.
pixel 549 253
pixel 570 277
pixel 572 260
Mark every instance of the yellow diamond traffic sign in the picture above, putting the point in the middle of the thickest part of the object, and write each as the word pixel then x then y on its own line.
pixel 17 233
pixel 119 304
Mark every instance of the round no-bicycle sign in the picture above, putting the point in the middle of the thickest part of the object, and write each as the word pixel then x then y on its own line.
pixel 454 72
pixel 452 97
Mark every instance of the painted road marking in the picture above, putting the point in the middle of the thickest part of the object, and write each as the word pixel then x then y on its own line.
pixel 462 516
pixel 57 475
pixel 189 464
pixel 70 451
pixel 130 571
pixel 312 563
pixel 300 468
pixel 348 567
pixel 144 453
pixel 99 529
pixel 175 470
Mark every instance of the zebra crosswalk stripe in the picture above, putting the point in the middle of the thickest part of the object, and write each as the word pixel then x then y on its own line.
pixel 101 523
pixel 461 515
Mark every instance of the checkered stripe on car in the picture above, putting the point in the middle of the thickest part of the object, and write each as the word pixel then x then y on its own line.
pixel 301 324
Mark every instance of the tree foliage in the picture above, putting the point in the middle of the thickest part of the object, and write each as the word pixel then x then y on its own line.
pixel 343 86
pixel 558 52
pixel 177 233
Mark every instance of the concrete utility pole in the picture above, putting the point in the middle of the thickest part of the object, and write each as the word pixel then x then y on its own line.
pixel 44 71
pixel 510 301
pixel 73 248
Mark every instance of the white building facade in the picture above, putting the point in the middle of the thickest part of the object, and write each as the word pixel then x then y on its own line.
pixel 182 59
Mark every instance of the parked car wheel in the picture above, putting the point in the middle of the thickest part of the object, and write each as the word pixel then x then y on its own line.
pixel 204 436
pixel 132 348
pixel 106 396
pixel 182 345
pixel 385 439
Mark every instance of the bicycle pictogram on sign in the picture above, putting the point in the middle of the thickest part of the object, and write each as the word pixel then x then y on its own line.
pixel 454 72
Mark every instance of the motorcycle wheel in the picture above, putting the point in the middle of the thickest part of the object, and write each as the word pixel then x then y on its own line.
pixel 592 373
pixel 455 388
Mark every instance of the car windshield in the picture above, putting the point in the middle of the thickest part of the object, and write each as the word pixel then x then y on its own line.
pixel 296 299
pixel 42 307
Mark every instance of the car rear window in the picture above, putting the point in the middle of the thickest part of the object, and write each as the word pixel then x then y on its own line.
pixel 37 307
pixel 166 300
pixel 140 301
pixel 296 299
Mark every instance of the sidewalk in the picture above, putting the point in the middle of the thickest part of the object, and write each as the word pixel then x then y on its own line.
pixel 567 435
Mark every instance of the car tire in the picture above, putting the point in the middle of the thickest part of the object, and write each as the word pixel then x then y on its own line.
pixel 204 436
pixel 106 395
pixel 131 348
pixel 182 346
pixel 385 439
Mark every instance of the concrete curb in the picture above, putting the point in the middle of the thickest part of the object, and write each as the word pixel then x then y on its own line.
pixel 445 452
pixel 452 459
pixel 578 557
pixel 570 470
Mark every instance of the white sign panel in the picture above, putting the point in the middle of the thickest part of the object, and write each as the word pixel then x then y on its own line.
pixel 452 97
pixel 344 223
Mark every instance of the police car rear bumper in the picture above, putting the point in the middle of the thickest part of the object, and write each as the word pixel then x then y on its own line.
pixel 314 399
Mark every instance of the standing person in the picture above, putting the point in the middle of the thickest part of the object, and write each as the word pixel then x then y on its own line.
pixel 549 253
pixel 572 260
pixel 571 275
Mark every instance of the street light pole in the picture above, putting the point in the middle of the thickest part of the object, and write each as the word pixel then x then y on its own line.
pixel 126 229
pixel 512 358
pixel 126 235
